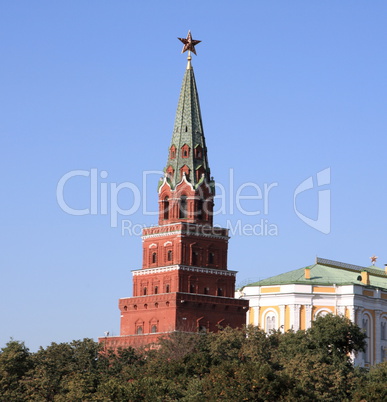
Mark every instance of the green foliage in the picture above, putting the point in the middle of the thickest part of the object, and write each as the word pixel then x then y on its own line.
pixel 231 365
pixel 373 385
pixel 337 336
pixel 15 362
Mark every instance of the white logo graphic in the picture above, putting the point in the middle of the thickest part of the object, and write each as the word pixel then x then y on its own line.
pixel 323 221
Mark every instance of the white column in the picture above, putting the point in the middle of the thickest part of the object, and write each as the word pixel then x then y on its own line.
pixel 358 321
pixel 308 316
pixel 352 313
pixel 377 339
pixel 340 310
pixel 282 318
pixel 256 318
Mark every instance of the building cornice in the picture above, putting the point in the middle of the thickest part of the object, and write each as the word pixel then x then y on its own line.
pixel 170 268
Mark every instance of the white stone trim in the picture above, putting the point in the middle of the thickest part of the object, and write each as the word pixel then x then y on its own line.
pixel 169 268
pixel 162 234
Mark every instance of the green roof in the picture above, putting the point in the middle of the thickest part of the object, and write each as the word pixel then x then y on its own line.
pixel 327 272
pixel 188 130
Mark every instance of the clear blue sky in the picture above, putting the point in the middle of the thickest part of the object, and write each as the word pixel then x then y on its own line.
pixel 287 90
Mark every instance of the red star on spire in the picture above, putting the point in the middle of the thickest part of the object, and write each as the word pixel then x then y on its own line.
pixel 189 43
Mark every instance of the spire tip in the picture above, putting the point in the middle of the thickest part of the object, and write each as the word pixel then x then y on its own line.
pixel 189 58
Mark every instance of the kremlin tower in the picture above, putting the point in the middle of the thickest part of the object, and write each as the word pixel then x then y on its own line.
pixel 184 283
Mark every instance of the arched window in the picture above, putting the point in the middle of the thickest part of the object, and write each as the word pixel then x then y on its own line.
pixel 139 330
pixel 321 313
pixel 166 208
pixel 169 255
pixel 156 290
pixel 383 328
pixel 192 288
pixel 170 171
pixel 198 152
pixel 167 289
pixel 367 328
pixel 199 209
pixel 154 328
pixel 194 257
pixel 220 292
pixel 206 291
pixel 185 151
pixel 211 257
pixel 173 152
pixel 199 172
pixel 145 291
pixel 183 207
pixel 270 321
pixel 154 258
pixel 185 170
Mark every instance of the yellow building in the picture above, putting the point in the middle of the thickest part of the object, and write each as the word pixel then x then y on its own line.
pixel 293 299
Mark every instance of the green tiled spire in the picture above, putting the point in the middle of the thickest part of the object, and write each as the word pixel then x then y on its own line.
pixel 188 134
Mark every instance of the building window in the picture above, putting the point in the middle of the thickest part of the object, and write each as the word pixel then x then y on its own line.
pixel 139 330
pixel 183 207
pixel 184 170
pixel 169 255
pixel 206 291
pixel 154 329
pixel 198 152
pixel 156 290
pixel 211 257
pixel 199 172
pixel 173 152
pixel 166 208
pixel 194 258
pixel 220 292
pixel 383 331
pixel 167 289
pixel 170 171
pixel 270 321
pixel 192 288
pixel 199 209
pixel 185 151
pixel 154 258
pixel 145 291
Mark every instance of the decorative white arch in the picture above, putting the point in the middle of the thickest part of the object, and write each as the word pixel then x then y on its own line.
pixel 270 320
pixel 321 312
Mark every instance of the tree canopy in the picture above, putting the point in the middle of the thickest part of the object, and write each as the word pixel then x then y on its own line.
pixel 231 365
